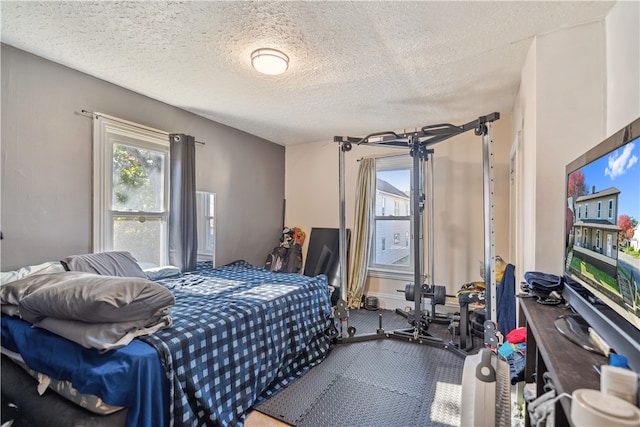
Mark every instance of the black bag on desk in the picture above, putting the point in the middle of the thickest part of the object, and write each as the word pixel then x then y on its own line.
pixel 547 288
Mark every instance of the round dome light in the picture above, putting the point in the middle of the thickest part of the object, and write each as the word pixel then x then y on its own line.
pixel 269 61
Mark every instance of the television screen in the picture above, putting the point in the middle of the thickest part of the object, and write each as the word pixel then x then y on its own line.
pixel 602 239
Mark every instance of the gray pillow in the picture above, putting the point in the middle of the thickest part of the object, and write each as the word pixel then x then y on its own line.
pixel 104 336
pixel 86 297
pixel 116 263
pixel 45 267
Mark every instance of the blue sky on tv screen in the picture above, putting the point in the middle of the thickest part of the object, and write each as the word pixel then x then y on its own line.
pixel 620 169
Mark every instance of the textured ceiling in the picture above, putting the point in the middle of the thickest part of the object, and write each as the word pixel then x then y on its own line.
pixel 356 67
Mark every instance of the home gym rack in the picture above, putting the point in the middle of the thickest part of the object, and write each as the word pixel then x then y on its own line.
pixel 419 142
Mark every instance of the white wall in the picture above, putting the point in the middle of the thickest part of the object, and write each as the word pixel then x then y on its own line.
pixel 623 65
pixel 311 192
pixel 525 126
pixel 46 164
pixel 562 103
pixel 571 112
pixel 579 85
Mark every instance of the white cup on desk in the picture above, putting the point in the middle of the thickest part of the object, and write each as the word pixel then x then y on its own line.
pixel 592 408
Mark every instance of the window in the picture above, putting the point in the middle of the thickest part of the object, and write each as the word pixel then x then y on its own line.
pixel 598 239
pixel 610 209
pixel 206 208
pixel 393 186
pixel 131 181
pixel 599 209
pixel 579 211
pixel 586 210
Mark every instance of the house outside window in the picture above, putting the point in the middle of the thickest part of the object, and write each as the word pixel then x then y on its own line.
pixel 393 185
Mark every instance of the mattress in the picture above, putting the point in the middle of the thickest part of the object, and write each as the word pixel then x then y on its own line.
pixel 123 377
pixel 47 410
pixel 65 389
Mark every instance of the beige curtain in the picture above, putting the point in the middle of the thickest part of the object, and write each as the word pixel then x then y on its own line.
pixel 363 232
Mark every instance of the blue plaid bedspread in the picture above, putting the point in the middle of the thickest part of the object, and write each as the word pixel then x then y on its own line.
pixel 239 334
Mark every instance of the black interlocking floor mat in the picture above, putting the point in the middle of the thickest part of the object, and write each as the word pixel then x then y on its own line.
pixel 383 382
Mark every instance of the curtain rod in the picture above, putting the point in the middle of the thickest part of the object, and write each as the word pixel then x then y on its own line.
pixel 382 156
pixel 92 114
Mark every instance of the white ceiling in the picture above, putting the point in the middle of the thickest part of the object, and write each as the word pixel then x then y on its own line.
pixel 356 67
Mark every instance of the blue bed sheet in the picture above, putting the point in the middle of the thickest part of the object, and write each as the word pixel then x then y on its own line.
pixel 240 333
pixel 131 376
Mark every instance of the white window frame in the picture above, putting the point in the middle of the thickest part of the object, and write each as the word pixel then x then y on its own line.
pixel 384 270
pixel 106 131
pixel 599 210
pixel 610 208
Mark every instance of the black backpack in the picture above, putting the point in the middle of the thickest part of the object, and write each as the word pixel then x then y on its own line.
pixel 276 260
pixel 293 261
pixel 285 260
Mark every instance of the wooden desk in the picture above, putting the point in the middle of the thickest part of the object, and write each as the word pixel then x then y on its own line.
pixel 570 366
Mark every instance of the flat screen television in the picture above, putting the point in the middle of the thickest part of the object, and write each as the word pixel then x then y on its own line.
pixel 602 239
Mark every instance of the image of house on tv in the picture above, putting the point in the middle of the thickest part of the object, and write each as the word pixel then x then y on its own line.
pixel 596 243
pixel 595 228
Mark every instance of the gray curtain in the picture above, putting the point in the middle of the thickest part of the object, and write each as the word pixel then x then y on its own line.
pixel 183 232
pixel 363 232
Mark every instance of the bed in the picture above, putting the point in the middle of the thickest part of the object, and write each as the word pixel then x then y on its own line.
pixel 239 334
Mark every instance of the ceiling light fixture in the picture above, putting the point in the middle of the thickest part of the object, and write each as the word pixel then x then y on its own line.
pixel 269 61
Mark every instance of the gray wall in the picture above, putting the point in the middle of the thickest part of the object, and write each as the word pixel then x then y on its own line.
pixel 46 165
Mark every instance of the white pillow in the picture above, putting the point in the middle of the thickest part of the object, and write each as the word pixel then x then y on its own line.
pixel 45 267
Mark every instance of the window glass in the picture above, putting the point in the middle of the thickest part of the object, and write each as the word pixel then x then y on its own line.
pixel 141 236
pixel 137 179
pixel 392 215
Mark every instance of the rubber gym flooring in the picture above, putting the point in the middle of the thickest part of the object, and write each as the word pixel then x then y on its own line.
pixel 384 382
